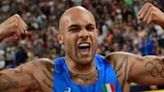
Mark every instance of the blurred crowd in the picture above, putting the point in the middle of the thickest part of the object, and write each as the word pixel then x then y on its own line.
pixel 119 29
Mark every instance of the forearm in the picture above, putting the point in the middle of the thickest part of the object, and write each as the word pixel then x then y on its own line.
pixel 161 21
pixel 151 14
pixel 4 28
pixel 2 35
pixel 14 25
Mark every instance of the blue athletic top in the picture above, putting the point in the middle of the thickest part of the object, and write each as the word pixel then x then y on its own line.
pixel 107 80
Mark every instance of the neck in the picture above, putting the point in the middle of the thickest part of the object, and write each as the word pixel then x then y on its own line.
pixel 80 68
pixel 82 74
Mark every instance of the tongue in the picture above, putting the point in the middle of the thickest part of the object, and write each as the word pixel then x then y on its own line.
pixel 84 49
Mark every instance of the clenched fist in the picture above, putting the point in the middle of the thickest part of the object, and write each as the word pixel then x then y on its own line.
pixel 14 25
pixel 151 14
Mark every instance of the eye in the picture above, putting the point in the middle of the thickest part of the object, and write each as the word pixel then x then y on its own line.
pixel 90 28
pixel 74 28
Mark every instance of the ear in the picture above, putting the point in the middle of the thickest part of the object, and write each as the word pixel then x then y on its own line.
pixel 60 38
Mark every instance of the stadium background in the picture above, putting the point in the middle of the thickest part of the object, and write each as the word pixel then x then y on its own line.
pixel 119 29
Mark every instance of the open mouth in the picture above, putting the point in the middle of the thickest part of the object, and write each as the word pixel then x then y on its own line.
pixel 84 47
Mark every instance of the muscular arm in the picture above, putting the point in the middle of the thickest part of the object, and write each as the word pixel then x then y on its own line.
pixel 34 76
pixel 132 68
pixel 13 81
pixel 151 14
pixel 147 70
pixel 13 26
pixel 17 80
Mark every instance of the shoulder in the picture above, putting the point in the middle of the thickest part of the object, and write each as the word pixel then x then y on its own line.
pixel 44 62
pixel 33 65
pixel 42 70
pixel 101 61
pixel 119 55
pixel 119 59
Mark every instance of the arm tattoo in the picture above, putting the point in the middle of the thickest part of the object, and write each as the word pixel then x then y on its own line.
pixel 156 69
pixel 49 78
pixel 7 83
pixel 123 67
pixel 46 72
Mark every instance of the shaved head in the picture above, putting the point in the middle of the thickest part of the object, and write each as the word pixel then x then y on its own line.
pixel 73 12
pixel 77 27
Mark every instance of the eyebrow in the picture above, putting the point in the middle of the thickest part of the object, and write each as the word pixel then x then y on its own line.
pixel 90 24
pixel 77 25
pixel 74 25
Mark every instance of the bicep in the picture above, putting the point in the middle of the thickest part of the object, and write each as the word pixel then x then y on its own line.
pixel 147 70
pixel 16 80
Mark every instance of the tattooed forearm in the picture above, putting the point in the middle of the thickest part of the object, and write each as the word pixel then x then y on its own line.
pixel 156 69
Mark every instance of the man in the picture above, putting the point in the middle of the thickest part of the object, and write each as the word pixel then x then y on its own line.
pixel 81 70
pixel 80 66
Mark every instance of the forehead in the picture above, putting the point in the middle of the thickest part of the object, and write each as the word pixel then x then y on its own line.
pixel 77 17
pixel 81 18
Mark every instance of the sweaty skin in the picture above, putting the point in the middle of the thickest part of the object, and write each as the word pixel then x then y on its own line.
pixel 37 75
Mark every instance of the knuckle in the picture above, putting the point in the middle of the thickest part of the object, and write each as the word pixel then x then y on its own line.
pixel 148 3
pixel 16 15
pixel 153 13
pixel 15 25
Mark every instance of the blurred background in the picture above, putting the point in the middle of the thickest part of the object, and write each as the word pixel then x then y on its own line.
pixel 119 30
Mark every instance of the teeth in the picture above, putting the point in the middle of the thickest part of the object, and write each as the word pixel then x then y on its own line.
pixel 84 44
pixel 85 50
pixel 84 47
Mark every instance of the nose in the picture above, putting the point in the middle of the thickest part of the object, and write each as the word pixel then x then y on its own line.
pixel 84 34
